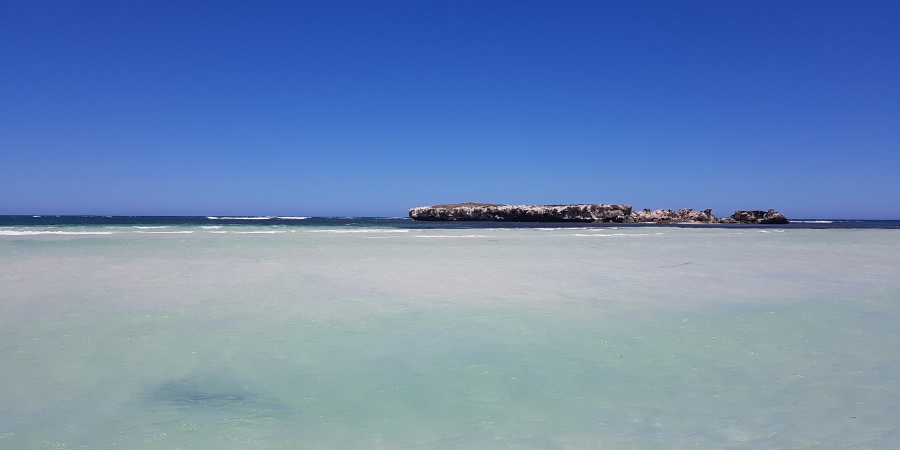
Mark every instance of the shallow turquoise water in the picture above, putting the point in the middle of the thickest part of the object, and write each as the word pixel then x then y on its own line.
pixel 488 338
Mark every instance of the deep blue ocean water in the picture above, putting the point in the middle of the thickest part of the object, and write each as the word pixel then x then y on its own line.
pixel 398 222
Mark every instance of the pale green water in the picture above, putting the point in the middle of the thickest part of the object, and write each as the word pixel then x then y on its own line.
pixel 488 338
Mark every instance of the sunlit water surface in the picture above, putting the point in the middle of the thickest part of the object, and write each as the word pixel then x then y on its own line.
pixel 325 337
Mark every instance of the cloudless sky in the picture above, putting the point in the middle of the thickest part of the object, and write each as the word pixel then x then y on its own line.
pixel 148 107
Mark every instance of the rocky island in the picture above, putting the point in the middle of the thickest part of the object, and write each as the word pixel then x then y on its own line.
pixel 596 213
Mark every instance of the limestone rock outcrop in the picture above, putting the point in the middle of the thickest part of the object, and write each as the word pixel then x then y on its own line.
pixel 598 212
pixel 669 216
pixel 523 213
pixel 756 217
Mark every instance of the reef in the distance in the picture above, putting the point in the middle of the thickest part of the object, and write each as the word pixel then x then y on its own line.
pixel 597 212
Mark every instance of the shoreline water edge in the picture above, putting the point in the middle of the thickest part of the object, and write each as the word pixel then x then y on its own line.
pixel 597 212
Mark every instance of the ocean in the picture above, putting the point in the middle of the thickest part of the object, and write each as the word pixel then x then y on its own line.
pixel 292 332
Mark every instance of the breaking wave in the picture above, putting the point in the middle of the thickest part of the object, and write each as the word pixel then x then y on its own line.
pixel 613 235
pixel 441 236
pixel 166 232
pixel 54 232
pixel 240 217
pixel 259 232
pixel 373 230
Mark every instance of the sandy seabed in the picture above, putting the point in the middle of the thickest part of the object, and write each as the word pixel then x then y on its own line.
pixel 486 338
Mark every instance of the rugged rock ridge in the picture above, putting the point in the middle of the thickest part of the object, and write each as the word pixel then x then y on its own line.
pixel 523 213
pixel 766 217
pixel 669 216
pixel 584 213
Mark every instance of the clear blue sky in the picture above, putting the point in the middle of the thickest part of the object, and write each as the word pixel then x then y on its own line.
pixel 372 107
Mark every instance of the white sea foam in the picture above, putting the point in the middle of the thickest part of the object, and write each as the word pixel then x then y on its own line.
pixel 166 232
pixel 569 228
pixel 53 232
pixel 612 235
pixel 812 221
pixel 261 232
pixel 441 236
pixel 239 218
pixel 211 227
pixel 359 230
pixel 292 217
pixel 139 227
